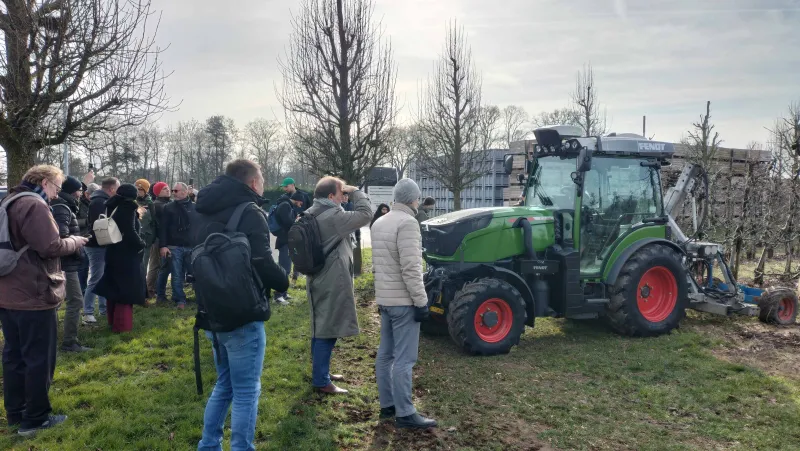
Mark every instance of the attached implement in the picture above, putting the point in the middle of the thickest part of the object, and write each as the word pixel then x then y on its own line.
pixel 594 238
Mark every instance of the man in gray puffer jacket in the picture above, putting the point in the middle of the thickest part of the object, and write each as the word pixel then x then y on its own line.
pixel 403 304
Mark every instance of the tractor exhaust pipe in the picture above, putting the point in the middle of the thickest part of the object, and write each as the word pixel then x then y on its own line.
pixel 527 237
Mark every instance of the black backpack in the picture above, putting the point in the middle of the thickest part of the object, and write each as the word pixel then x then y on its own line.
pixel 228 290
pixel 305 244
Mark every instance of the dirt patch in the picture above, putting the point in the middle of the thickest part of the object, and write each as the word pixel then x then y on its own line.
pixel 772 349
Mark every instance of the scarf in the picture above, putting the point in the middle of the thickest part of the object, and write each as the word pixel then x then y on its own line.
pixel 36 189
pixel 327 202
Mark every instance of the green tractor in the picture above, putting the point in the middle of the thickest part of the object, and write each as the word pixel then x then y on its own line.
pixel 593 238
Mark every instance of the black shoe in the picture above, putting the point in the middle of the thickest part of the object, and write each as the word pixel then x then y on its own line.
pixel 52 420
pixel 75 347
pixel 415 421
pixel 287 297
pixel 387 413
pixel 161 300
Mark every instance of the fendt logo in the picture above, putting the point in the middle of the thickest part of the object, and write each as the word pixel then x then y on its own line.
pixel 657 147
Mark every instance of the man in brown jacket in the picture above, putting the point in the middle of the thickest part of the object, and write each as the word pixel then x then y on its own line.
pixel 31 293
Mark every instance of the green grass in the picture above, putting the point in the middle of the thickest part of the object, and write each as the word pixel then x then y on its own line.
pixel 569 385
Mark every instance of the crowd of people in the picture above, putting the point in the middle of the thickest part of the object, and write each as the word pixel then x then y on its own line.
pixel 71 242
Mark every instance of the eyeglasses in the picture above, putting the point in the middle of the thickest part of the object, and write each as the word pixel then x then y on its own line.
pixel 175 190
pixel 58 188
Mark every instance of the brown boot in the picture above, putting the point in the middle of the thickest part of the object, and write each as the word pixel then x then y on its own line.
pixel 332 390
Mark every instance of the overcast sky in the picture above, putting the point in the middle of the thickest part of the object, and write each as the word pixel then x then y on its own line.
pixel 660 58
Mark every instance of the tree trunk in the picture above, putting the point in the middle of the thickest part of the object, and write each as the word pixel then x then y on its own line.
pixel 357 258
pixel 456 200
pixel 759 272
pixel 18 159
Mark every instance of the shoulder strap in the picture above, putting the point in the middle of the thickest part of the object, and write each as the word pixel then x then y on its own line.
pixel 112 213
pixel 233 223
pixel 7 202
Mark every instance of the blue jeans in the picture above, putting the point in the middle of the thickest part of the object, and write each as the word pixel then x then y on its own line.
pixel 285 262
pixel 239 364
pixel 321 350
pixel 180 257
pixel 396 357
pixel 97 265
pixel 163 274
pixel 83 271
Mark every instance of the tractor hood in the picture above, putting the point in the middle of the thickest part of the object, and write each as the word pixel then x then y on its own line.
pixel 444 234
pixel 533 215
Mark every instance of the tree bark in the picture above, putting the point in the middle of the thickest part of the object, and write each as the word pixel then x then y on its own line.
pixel 18 159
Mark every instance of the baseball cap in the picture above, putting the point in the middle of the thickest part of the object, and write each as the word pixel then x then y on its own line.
pixel 287 181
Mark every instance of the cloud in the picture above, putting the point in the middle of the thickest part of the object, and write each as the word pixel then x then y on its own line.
pixel 662 58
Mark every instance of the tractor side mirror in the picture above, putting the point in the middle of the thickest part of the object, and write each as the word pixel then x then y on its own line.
pixel 508 163
pixel 584 163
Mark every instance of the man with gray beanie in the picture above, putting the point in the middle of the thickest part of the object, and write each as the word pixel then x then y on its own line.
pixel 402 302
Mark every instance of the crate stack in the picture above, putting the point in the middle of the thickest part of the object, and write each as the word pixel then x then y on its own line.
pixel 513 194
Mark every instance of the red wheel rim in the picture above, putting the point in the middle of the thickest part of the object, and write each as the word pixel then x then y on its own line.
pixel 657 294
pixel 493 320
pixel 786 309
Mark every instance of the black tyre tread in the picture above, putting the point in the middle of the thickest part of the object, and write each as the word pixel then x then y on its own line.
pixel 769 302
pixel 459 320
pixel 617 315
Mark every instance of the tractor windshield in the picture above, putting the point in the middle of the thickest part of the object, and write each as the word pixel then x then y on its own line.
pixel 551 184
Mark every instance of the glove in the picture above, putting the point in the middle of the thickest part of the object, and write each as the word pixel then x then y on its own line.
pixel 421 314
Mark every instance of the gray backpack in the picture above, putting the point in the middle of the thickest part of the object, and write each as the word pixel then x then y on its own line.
pixel 9 256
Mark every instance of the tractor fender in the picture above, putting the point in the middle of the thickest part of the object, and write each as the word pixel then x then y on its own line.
pixel 519 283
pixel 626 254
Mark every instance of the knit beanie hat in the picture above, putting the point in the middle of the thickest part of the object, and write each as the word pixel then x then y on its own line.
pixel 298 196
pixel 70 185
pixel 406 191
pixel 158 187
pixel 143 184
pixel 127 191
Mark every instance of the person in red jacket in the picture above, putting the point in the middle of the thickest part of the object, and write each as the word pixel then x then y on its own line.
pixel 32 292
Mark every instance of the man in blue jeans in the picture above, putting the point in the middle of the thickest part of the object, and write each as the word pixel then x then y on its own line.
pixel 95 252
pixel 175 240
pixel 238 354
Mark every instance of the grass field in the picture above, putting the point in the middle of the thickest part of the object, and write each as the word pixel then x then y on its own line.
pixel 716 383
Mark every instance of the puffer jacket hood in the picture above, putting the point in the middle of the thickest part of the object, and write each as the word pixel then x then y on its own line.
pixel 223 193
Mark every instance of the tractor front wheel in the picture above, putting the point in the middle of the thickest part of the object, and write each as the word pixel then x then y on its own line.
pixel 778 306
pixel 487 317
pixel 649 297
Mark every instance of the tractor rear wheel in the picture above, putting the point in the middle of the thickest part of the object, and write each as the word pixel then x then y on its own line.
pixel 778 306
pixel 487 317
pixel 649 297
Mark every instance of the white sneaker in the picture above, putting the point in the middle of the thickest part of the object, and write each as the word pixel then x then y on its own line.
pixel 89 319
pixel 281 301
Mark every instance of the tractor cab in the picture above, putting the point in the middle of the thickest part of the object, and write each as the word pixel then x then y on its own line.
pixel 599 201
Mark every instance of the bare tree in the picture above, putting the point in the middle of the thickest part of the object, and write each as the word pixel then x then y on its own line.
pixel 585 105
pixel 786 135
pixel 338 87
pixel 73 68
pixel 561 116
pixel 515 121
pixel 488 126
pixel 450 119
pixel 404 147
pixel 267 146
